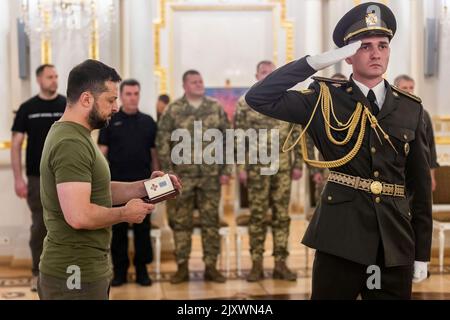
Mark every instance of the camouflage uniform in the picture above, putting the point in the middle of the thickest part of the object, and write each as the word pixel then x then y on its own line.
pixel 268 191
pixel 201 186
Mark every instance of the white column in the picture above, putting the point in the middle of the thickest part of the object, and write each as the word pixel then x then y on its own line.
pixel 4 72
pixel 308 26
pixel 308 18
pixel 443 94
pixel 400 60
pixel 14 214
pixel 427 87
pixel 19 89
pixel 137 60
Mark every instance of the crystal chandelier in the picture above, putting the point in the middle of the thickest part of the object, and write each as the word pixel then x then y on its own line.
pixel 66 14
pixel 41 18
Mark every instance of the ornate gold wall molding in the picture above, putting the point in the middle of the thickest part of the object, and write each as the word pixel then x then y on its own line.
pixel 94 43
pixel 160 23
pixel 46 40
pixel 288 26
pixel 441 126
pixel 5 145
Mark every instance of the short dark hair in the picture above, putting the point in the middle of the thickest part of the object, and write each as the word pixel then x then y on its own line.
pixel 164 98
pixel 190 72
pixel 263 62
pixel 91 76
pixel 42 67
pixel 403 77
pixel 129 82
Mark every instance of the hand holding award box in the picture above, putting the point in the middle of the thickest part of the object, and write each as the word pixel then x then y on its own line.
pixel 160 189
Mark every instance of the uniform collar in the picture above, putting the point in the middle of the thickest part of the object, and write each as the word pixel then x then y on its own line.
pixel 379 90
pixel 126 115
pixel 186 103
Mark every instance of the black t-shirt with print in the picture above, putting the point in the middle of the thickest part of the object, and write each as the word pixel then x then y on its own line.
pixel 35 117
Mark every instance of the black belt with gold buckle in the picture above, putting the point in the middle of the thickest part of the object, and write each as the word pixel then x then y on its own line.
pixel 368 185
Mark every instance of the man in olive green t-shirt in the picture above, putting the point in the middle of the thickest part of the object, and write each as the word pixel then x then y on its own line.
pixel 77 193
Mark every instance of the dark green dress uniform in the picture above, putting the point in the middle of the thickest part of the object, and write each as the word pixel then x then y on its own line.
pixel 351 228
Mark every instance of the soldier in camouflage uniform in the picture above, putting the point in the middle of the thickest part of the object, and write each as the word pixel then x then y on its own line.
pixel 201 182
pixel 268 191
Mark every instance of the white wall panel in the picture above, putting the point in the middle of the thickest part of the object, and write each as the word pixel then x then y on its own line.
pixel 221 45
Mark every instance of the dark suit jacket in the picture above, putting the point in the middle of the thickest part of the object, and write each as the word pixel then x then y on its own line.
pixel 430 139
pixel 349 223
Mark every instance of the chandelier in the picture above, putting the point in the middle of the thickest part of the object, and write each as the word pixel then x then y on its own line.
pixel 41 18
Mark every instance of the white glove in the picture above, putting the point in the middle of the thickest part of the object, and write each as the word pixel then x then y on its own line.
pixel 324 60
pixel 420 271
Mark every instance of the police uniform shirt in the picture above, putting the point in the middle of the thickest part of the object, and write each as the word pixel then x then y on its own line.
pixel 129 139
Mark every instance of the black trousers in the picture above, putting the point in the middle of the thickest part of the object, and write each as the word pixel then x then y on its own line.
pixel 335 278
pixel 142 246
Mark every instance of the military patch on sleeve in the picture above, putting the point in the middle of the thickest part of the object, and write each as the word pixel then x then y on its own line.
pixel 406 94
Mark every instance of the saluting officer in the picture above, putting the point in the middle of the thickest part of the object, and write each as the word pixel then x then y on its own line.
pixel 376 206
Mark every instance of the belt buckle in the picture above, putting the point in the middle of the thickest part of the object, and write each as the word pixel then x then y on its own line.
pixel 376 187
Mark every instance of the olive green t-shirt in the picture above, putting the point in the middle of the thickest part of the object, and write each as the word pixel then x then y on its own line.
pixel 70 155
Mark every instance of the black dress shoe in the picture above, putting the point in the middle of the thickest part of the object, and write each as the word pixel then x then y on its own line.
pixel 144 281
pixel 118 281
pixel 142 277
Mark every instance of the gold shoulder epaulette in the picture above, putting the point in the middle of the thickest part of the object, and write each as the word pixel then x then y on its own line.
pixel 330 80
pixel 306 91
pixel 407 94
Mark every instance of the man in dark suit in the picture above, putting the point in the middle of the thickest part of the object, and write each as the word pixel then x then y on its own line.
pixel 406 83
pixel 369 239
